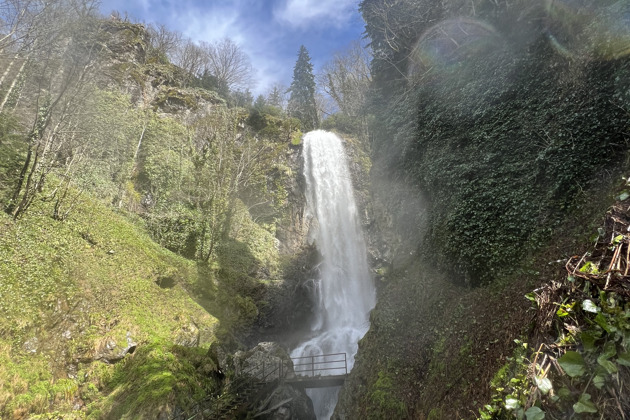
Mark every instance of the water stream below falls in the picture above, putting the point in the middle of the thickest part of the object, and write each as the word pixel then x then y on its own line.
pixel 344 291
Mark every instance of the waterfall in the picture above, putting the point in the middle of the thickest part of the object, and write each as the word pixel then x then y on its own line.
pixel 344 292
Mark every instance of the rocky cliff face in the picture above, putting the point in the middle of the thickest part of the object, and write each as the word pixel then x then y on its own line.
pixel 292 229
pixel 149 81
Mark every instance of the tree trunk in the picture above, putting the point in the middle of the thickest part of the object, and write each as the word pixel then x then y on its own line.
pixel 8 70
pixel 18 188
pixel 12 87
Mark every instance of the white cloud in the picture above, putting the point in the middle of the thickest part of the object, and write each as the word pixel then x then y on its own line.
pixel 219 22
pixel 207 25
pixel 264 29
pixel 325 12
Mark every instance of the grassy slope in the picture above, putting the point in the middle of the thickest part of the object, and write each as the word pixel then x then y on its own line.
pixel 67 289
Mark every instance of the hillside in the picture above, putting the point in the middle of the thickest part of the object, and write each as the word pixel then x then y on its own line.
pixel 149 223
pixel 81 295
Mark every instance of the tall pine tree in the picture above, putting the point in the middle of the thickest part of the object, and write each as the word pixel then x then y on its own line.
pixel 302 100
pixel 275 97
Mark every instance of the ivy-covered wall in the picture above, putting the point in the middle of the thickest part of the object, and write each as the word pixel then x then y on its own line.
pixel 502 133
pixel 494 158
pixel 505 152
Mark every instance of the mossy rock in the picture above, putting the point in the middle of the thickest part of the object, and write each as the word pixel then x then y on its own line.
pixel 125 40
pixel 173 99
pixel 164 74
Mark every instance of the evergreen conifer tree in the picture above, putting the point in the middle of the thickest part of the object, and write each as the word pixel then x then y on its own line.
pixel 302 100
pixel 275 98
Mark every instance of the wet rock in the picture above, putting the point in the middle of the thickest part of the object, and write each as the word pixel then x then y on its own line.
pixel 290 304
pixel 219 356
pixel 286 403
pixel 265 362
pixel 270 363
pixel 293 228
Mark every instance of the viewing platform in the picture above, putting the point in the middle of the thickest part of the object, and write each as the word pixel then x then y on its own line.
pixel 318 371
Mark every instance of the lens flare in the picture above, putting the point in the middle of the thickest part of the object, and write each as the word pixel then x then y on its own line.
pixel 599 28
pixel 450 44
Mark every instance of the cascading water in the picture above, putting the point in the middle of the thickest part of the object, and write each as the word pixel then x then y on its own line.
pixel 345 293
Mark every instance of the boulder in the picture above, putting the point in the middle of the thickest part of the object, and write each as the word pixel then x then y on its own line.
pixel 268 362
pixel 286 403
pixel 188 336
pixel 109 351
pixel 31 345
pixel 265 362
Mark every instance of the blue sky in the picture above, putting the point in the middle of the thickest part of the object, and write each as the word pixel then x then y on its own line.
pixel 269 31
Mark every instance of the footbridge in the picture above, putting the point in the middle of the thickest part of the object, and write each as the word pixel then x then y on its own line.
pixel 317 371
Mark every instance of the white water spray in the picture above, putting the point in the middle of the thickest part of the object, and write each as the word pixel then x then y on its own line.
pixel 345 293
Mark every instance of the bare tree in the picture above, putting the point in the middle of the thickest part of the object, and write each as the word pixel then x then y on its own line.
pixel 55 89
pixel 229 64
pixel 164 40
pixel 191 58
pixel 346 78
pixel 31 29
pixel 19 19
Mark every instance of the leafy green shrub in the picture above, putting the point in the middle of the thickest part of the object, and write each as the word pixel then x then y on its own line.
pixel 384 403
pixel 342 122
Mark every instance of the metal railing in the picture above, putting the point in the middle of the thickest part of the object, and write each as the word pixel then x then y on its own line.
pixel 304 366
pixel 265 370
pixel 316 365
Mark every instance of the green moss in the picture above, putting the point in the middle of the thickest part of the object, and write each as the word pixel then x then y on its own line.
pixel 437 366
pixel 174 96
pixel 260 245
pixel 436 414
pixel 509 382
pixel 123 70
pixel 95 258
pixel 185 97
pixel 496 185
pixel 384 402
pixel 296 138
pixel 156 377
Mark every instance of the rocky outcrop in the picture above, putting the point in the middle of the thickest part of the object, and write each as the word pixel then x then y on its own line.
pixel 293 228
pixel 290 303
pixel 128 66
pixel 266 362
pixel 111 351
pixel 125 41
pixel 286 403
pixel 269 363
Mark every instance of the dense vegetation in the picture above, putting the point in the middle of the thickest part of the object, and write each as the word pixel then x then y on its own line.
pixel 539 125
pixel 499 137
pixel 142 192
pixel 151 210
